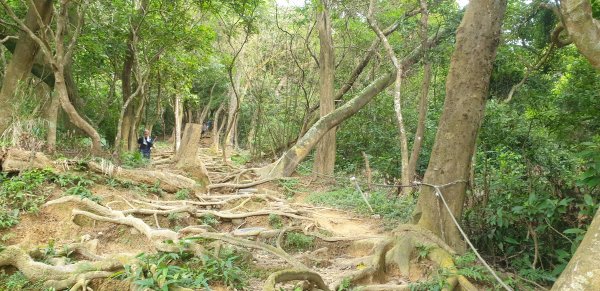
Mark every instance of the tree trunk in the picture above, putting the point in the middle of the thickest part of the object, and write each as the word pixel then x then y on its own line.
pixel 287 163
pixel 61 89
pixel 325 155
pixel 187 158
pixel 583 28
pixel 125 126
pixel 423 101
pixel 232 117
pixel 405 177
pixel 52 118
pixel 137 118
pixel 582 272
pixel 178 120
pixel 466 91
pixel 216 131
pixel 22 59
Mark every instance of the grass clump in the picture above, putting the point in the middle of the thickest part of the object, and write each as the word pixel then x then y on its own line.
pixel 133 160
pixel 298 241
pixel 395 209
pixel 209 219
pixel 182 194
pixel 18 282
pixel 275 221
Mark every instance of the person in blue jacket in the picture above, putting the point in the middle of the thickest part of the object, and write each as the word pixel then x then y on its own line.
pixel 146 143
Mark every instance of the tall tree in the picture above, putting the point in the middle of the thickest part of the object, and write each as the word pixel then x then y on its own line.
pixel 582 272
pixel 58 48
pixel 467 86
pixel 23 57
pixel 325 156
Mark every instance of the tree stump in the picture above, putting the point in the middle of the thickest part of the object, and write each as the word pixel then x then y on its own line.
pixel 187 157
pixel 17 160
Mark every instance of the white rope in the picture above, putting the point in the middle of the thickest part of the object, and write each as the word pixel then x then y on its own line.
pixel 361 193
pixel 439 194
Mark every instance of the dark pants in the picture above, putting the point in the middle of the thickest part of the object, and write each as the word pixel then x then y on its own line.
pixel 145 153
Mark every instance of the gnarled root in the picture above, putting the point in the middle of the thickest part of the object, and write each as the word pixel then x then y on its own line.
pixel 158 236
pixel 396 253
pixel 294 275
pixel 168 182
pixel 62 276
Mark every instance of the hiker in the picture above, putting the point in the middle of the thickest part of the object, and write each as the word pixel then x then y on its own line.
pixel 146 143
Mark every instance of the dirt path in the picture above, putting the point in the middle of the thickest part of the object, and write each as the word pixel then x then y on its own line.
pixel 54 225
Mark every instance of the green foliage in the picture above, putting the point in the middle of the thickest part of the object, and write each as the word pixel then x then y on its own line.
pixel 240 159
pixel 298 241
pixel 345 285
pixel 70 179
pixel 290 186
pixel 83 192
pixel 394 210
pixel 437 282
pixel 182 194
pixel 16 281
pixel 423 251
pixel 22 193
pixel 209 219
pixel 133 160
pixel 164 271
pixel 275 221
pixel 468 267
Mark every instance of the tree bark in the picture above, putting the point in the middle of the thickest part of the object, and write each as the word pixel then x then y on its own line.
pixel 325 155
pixel 423 100
pixel 216 131
pixel 122 144
pixel 405 179
pixel 178 120
pixel 137 117
pixel 187 158
pixel 583 28
pixel 287 163
pixel 582 272
pixel 466 90
pixel 22 59
pixel 52 118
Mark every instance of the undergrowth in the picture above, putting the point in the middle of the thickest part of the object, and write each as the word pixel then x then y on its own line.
pixel 22 193
pixel 25 192
pixel 18 282
pixel 132 160
pixel 395 210
pixel 165 271
pixel 298 241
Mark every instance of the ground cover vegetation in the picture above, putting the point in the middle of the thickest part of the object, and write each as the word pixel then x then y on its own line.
pixel 327 144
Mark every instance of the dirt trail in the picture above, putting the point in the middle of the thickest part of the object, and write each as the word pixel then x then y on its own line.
pixel 54 224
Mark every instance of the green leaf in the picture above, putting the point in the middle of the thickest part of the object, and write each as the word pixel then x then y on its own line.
pixel 574 231
pixel 588 199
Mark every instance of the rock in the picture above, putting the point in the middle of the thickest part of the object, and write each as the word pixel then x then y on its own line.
pixel 237 221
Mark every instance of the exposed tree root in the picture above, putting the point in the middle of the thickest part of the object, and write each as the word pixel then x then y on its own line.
pixel 240 186
pixel 62 276
pixel 158 236
pixel 167 181
pixel 395 253
pixel 294 275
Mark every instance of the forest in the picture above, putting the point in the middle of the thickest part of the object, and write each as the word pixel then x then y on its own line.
pixel 299 145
